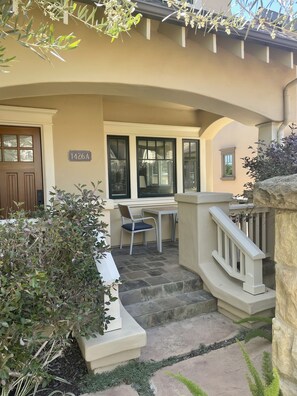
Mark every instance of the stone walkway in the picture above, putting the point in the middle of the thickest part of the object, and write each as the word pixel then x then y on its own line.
pixel 220 372
pixel 148 267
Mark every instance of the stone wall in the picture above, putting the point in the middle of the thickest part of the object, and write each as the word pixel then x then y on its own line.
pixel 281 193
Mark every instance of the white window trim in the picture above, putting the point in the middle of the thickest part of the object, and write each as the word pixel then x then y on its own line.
pixel 224 152
pixel 43 119
pixel 134 130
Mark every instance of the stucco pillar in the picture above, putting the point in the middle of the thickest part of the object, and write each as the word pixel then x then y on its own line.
pixel 281 193
pixel 268 131
pixel 197 231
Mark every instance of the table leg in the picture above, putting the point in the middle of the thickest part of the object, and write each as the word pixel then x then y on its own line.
pixel 160 232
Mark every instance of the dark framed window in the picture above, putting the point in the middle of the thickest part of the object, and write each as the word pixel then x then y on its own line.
pixel 228 163
pixel 191 165
pixel 156 167
pixel 118 166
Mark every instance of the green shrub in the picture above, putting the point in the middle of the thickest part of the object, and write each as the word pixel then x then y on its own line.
pixel 273 159
pixel 49 286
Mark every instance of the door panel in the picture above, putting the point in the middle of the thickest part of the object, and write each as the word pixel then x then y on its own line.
pixel 20 168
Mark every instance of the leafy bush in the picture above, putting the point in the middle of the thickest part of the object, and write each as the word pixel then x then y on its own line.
pixel 49 286
pixel 270 160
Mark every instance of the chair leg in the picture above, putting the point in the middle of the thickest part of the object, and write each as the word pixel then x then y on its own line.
pixel 121 239
pixel 156 230
pixel 131 243
pixel 144 239
pixel 174 224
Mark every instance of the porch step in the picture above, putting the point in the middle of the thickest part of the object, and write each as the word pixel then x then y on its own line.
pixel 156 289
pixel 156 312
pixel 132 292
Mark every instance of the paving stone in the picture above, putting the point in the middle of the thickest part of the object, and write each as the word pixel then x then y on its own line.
pixel 156 272
pixel 219 373
pixel 180 275
pixel 138 267
pixel 155 264
pixel 123 390
pixel 157 280
pixel 173 288
pixel 139 309
pixel 130 285
pixel 152 292
pixel 136 275
pixel 159 290
pixel 183 336
pixel 131 296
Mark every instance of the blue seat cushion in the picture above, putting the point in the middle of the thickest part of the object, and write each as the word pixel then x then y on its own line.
pixel 141 225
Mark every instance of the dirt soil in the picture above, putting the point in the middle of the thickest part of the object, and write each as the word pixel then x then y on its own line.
pixel 71 367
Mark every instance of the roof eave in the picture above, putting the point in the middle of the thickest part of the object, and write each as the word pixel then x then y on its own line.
pixel 159 12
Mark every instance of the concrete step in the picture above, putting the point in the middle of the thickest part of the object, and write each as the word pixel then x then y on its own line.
pixel 171 308
pixel 132 292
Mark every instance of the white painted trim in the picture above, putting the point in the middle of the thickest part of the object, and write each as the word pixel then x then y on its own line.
pixel 136 129
pixel 129 128
pixel 43 119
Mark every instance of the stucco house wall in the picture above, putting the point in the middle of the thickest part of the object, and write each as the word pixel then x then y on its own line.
pixel 147 86
pixel 239 137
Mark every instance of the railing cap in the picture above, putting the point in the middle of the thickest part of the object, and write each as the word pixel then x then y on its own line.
pixel 203 197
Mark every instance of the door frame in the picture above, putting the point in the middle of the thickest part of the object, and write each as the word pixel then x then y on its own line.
pixel 43 119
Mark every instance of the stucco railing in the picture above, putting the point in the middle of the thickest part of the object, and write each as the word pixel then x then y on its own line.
pixel 237 254
pixel 252 221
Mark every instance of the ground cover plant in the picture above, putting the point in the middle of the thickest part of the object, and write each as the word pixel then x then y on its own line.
pixel 50 288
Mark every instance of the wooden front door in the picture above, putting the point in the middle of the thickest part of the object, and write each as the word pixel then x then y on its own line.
pixel 20 168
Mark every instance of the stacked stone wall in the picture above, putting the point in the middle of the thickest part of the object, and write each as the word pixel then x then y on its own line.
pixel 281 193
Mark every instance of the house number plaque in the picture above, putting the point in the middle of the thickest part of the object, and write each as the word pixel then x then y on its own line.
pixel 79 155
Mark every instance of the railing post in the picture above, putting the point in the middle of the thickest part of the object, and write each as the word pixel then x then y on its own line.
pixel 197 231
pixel 253 276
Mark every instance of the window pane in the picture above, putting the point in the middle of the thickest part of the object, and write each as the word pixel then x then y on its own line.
pixel 168 150
pixel 26 155
pixel 228 164
pixel 142 149
pixel 151 149
pixel 191 165
pixel 160 150
pixel 186 150
pixel 10 155
pixel 118 167
pixel 118 178
pixel 121 150
pixel 156 173
pixel 193 150
pixel 10 141
pixel 190 176
pixel 26 141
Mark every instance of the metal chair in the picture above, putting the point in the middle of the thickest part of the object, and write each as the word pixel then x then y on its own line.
pixel 134 225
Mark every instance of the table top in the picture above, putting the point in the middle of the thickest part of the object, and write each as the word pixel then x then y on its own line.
pixel 161 210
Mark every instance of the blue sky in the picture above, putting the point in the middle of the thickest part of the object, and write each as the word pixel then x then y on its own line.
pixel 271 4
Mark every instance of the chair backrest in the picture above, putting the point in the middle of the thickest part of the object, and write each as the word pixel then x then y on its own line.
pixel 125 211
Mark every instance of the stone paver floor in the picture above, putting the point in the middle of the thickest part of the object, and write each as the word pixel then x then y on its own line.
pixel 220 372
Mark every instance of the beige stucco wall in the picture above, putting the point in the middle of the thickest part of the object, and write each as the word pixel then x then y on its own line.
pixel 152 81
pixel 77 125
pixel 238 136
pixel 121 109
pixel 158 69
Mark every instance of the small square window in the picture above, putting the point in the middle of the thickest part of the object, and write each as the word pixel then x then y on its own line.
pixel 228 163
